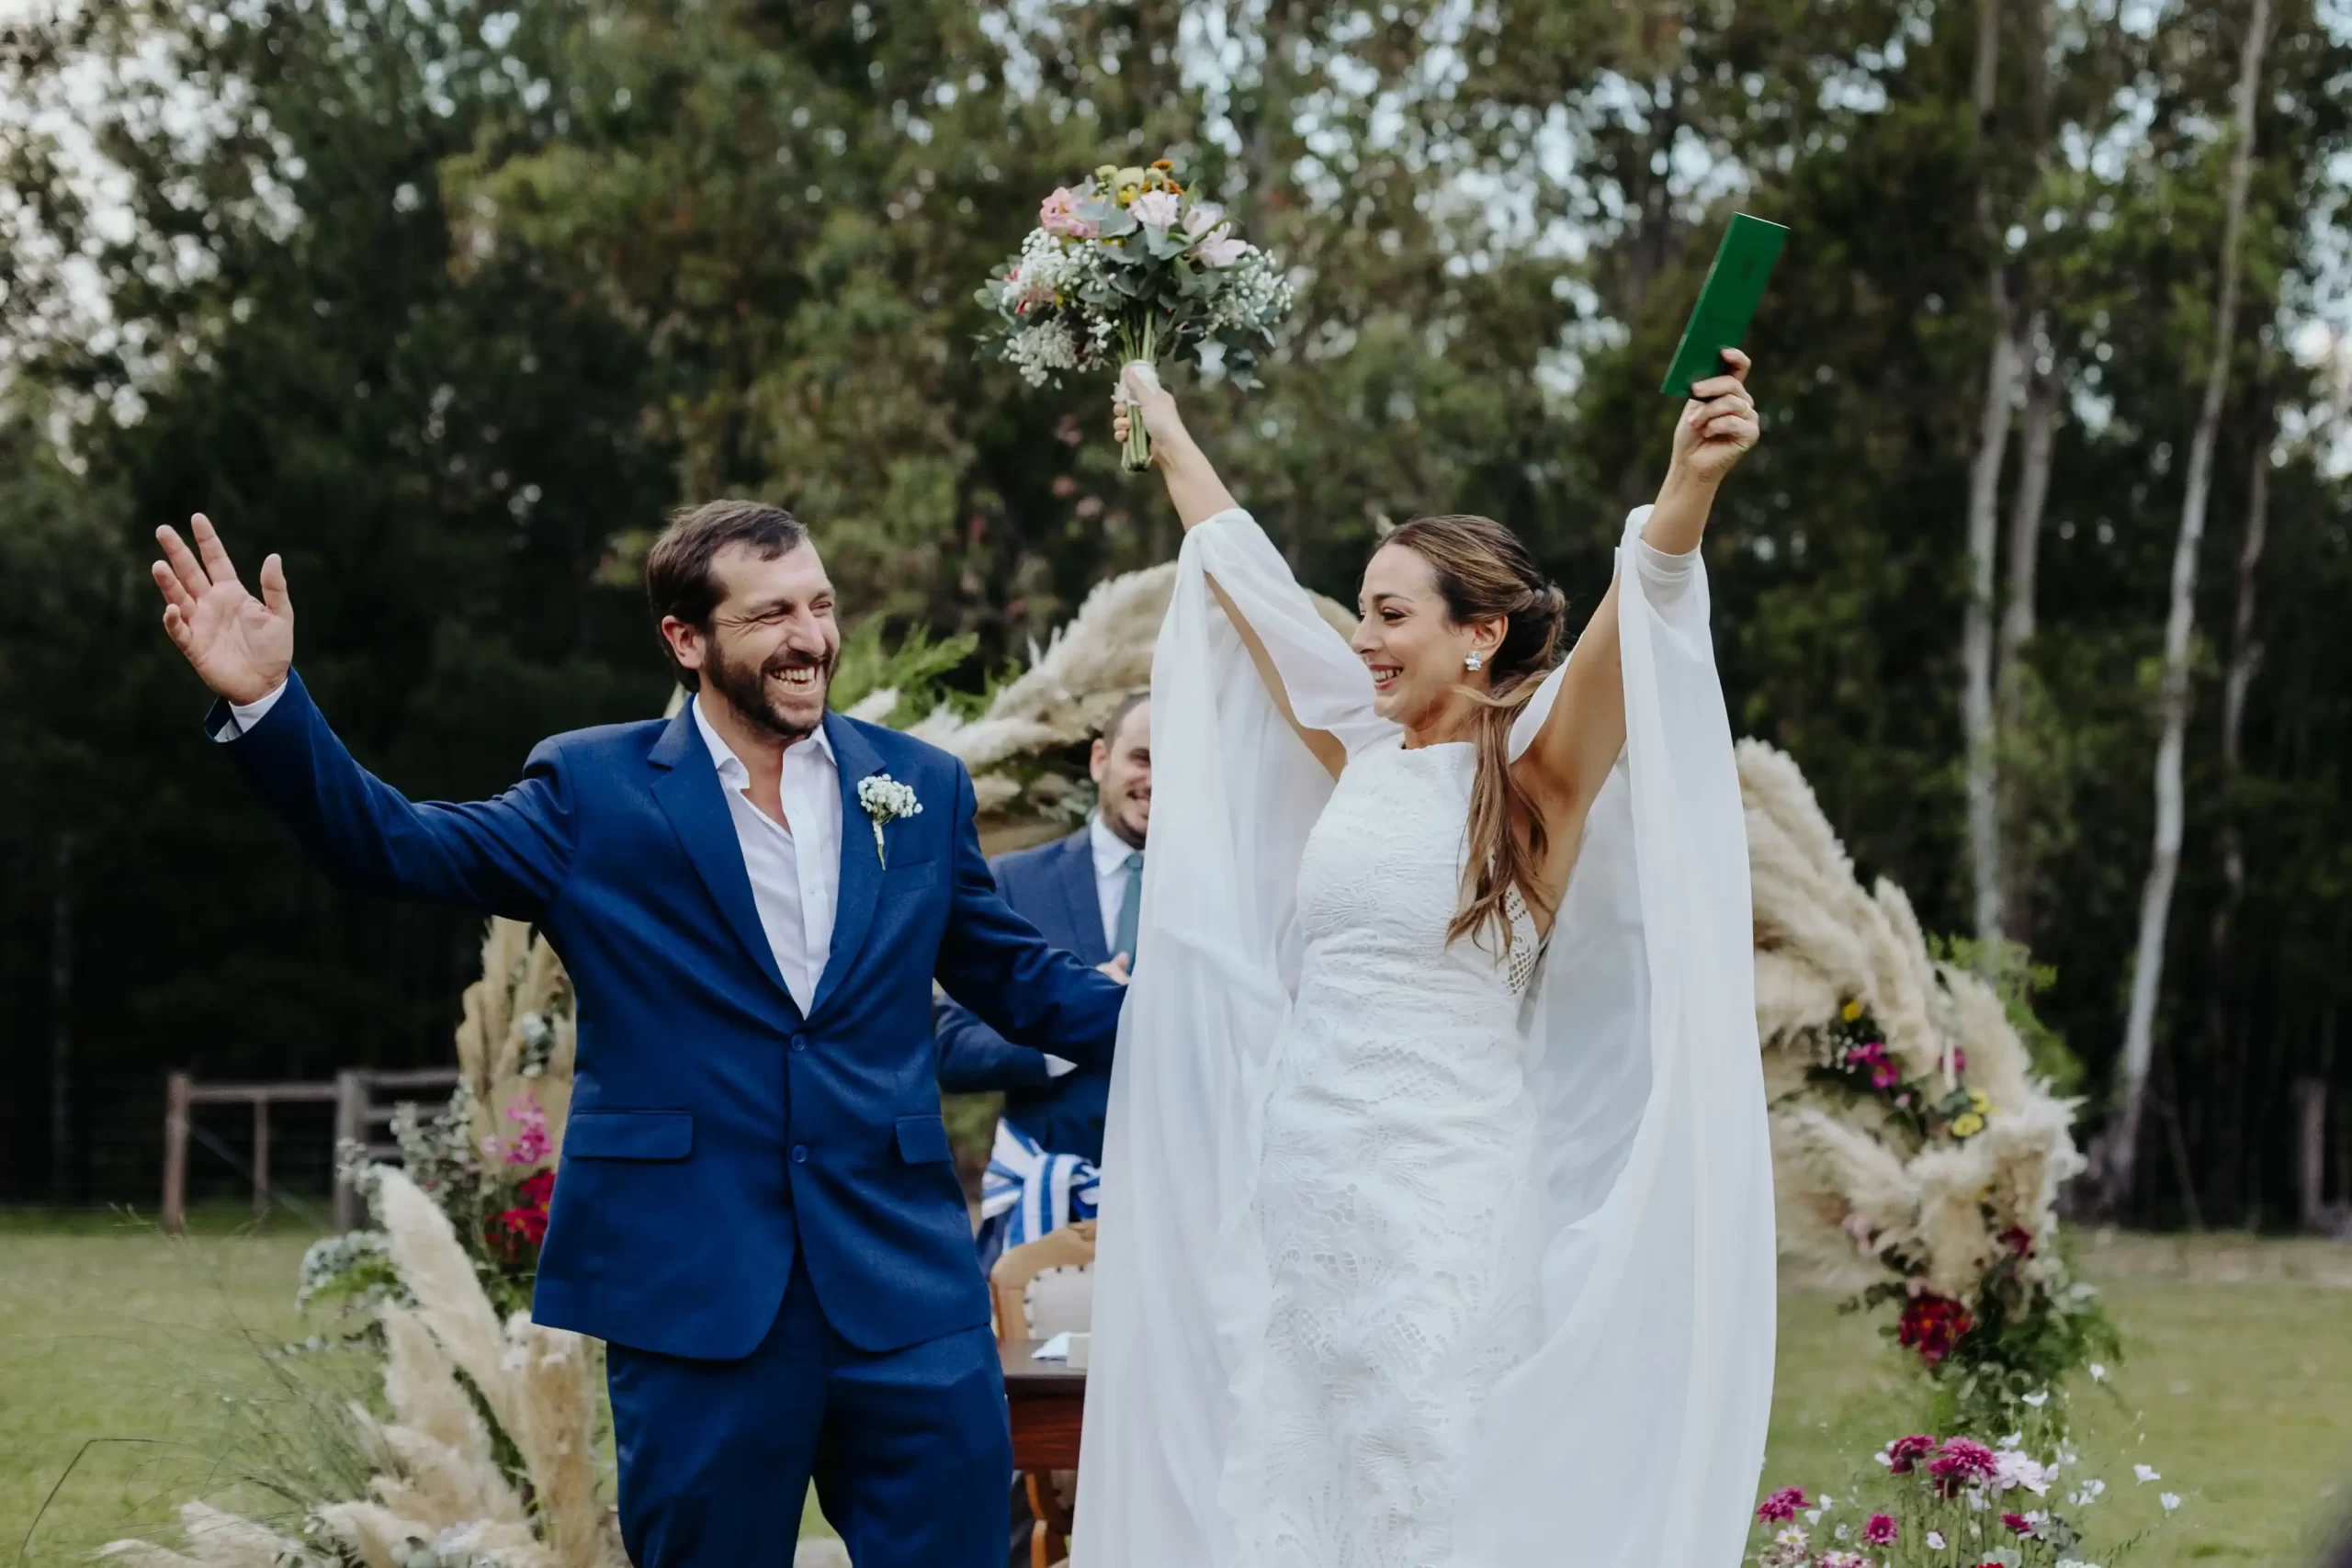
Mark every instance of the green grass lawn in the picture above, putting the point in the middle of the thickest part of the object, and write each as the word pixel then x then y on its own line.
pixel 2237 1382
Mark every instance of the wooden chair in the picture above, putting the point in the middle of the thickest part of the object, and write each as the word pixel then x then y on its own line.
pixel 1038 1290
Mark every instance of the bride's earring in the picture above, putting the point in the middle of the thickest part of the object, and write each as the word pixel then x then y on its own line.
pixel 1474 661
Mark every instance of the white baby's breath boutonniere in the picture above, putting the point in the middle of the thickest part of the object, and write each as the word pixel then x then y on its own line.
pixel 886 800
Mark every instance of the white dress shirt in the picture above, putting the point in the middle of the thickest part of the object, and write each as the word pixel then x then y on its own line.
pixel 795 872
pixel 1111 852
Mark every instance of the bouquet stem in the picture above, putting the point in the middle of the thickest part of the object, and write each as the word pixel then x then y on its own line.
pixel 1136 344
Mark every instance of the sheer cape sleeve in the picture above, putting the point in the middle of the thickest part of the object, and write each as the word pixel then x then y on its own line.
pixel 1634 1429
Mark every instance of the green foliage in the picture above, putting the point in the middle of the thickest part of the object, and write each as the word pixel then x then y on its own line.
pixel 2008 968
pixel 918 669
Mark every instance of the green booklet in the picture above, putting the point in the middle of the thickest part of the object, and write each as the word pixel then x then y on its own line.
pixel 1726 302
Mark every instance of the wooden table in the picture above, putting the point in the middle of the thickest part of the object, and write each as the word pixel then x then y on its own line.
pixel 1049 1402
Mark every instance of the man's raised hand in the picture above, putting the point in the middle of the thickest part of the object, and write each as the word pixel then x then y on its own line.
pixel 238 645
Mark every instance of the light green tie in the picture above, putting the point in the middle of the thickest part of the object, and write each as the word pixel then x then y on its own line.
pixel 1130 909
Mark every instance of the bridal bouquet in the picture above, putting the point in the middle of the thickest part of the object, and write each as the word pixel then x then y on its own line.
pixel 1131 266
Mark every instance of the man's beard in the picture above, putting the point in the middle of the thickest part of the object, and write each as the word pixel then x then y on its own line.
pixel 747 689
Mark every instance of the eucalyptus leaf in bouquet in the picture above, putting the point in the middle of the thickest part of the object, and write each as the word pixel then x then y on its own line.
pixel 1131 265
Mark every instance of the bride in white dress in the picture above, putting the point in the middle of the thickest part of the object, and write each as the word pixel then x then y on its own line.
pixel 1437 1225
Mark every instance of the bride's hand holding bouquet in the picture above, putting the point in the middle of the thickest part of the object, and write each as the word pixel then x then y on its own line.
pixel 1129 267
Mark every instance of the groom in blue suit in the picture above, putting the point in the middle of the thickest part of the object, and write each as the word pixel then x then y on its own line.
pixel 755 1208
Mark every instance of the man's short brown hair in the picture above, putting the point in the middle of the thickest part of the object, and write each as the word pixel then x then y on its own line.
pixel 678 579
pixel 1118 715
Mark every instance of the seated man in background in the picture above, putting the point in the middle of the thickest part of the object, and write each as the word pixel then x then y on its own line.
pixel 1084 894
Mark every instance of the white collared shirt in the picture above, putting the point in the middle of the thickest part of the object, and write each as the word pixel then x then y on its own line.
pixel 795 872
pixel 1111 852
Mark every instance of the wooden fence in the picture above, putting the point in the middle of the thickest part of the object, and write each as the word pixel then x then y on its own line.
pixel 364 1100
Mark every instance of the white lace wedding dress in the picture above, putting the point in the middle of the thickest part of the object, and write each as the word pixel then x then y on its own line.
pixel 1410 1257
pixel 1394 1202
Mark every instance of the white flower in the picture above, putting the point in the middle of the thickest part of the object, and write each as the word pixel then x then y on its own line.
pixel 2037 1400
pixel 2099 1372
pixel 1040 350
pixel 1156 210
pixel 2171 1500
pixel 886 800
pixel 1935 1540
pixel 2014 1469
pixel 1203 217
pixel 1221 248
pixel 2146 1473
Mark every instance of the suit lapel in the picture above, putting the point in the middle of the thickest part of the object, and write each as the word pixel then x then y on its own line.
pixel 696 802
pixel 1083 899
pixel 860 870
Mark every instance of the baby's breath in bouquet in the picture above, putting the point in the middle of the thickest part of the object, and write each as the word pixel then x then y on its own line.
pixel 1132 266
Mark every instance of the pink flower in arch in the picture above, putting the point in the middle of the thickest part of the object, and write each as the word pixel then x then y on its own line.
pixel 531 1144
pixel 2019 1523
pixel 1781 1505
pixel 1881 1530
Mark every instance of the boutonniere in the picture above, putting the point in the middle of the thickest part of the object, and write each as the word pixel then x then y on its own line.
pixel 886 800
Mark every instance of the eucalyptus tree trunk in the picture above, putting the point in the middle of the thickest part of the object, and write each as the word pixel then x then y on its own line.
pixel 2036 441
pixel 1983 777
pixel 2164 864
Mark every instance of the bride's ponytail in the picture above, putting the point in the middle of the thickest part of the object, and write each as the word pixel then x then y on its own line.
pixel 1483 572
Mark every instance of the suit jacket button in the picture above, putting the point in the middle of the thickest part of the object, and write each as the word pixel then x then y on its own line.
pixel 801 1154
pixel 800 1043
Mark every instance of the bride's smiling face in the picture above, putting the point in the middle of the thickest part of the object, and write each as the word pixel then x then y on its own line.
pixel 1409 641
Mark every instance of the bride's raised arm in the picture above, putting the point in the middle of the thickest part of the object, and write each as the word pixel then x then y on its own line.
pixel 1580 737
pixel 1199 494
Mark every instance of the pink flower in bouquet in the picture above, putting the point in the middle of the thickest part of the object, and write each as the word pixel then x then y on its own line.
pixel 1903 1454
pixel 1883 1076
pixel 530 1145
pixel 1221 248
pixel 1881 1530
pixel 1157 209
pixel 1781 1505
pixel 1057 214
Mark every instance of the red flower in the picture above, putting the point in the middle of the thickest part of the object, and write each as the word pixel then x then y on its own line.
pixel 1932 1325
pixel 1781 1505
pixel 1903 1454
pixel 537 1189
pixel 1881 1530
pixel 2019 1523
pixel 1959 1462
pixel 2017 1239
pixel 531 1224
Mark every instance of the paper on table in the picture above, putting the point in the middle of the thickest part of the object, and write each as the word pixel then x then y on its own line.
pixel 1054 1350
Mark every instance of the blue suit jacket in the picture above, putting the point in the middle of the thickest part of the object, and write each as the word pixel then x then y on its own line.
pixel 1053 886
pixel 715 1132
